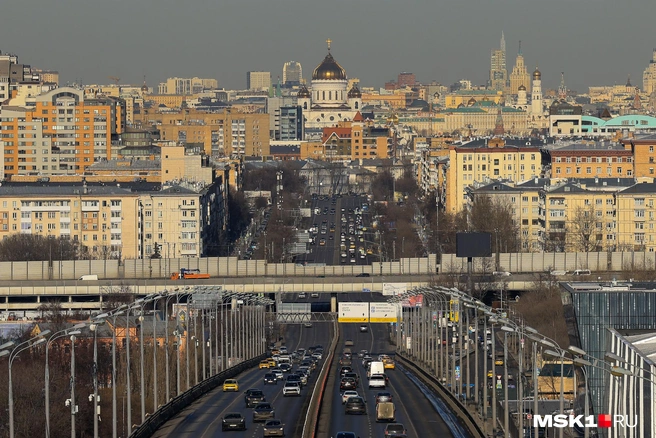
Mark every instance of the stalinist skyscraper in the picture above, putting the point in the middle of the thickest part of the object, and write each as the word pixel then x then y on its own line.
pixel 498 71
pixel 519 75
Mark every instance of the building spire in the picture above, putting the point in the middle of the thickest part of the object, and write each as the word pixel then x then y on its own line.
pixel 520 48
pixel 503 42
pixel 328 41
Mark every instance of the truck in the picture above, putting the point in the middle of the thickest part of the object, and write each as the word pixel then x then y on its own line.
pixel 385 411
pixel 375 368
pixel 89 277
pixel 189 274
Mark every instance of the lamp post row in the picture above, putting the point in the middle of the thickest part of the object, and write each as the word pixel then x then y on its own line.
pixel 242 346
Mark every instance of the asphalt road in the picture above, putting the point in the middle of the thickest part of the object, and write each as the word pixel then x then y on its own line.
pixel 203 418
pixel 413 409
pixel 326 249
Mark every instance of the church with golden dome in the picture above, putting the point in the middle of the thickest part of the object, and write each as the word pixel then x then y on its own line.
pixel 328 102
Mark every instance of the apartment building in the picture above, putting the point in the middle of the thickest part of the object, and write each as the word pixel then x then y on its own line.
pixel 355 140
pixel 222 133
pixel 123 220
pixel 486 160
pixel 636 221
pixel 588 160
pixel 258 80
pixel 642 147
pixel 186 86
pixel 59 132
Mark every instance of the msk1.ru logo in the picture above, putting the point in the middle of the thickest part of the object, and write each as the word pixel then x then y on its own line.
pixel 604 421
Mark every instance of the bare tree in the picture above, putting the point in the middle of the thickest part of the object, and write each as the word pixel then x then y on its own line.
pixel 583 231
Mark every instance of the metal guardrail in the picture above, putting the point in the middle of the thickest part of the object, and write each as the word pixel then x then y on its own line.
pixel 461 412
pixel 177 404
pixel 312 415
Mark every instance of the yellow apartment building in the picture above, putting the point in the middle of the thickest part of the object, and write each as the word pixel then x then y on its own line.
pixel 168 100
pixel 487 160
pixel 226 133
pixel 468 97
pixel 355 140
pixel 397 100
pixel 644 157
pixel 527 201
pixel 636 221
pixel 60 133
pixel 603 160
pixel 313 150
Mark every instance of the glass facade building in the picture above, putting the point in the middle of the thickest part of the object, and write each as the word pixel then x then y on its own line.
pixel 591 309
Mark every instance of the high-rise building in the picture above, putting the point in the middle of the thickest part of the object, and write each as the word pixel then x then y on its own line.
pixel 290 123
pixel 59 132
pixel 186 86
pixel 258 80
pixel 406 79
pixel 519 75
pixel 498 71
pixel 292 73
pixel 649 76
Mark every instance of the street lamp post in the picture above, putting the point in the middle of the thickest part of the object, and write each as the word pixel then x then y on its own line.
pixel 73 407
pixel 66 332
pixel 115 315
pixel 94 328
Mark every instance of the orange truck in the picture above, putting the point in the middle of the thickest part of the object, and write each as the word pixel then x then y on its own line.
pixel 189 274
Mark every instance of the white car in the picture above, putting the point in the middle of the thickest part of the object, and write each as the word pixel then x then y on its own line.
pixel 291 388
pixel 501 274
pixel 301 295
pixel 377 381
pixel 348 394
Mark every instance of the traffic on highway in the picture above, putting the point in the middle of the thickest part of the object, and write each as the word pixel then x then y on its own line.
pixel 269 400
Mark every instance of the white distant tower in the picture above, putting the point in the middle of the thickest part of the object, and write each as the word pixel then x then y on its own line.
pixel 536 94
pixel 292 73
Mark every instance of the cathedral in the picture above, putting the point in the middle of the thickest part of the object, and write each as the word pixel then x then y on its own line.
pixel 328 101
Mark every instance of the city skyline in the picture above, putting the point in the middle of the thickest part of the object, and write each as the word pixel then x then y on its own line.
pixel 591 52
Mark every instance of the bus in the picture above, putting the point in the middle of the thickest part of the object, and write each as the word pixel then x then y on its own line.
pixel 549 380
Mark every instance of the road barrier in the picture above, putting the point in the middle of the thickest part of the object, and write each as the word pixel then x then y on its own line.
pixel 312 415
pixel 461 412
pixel 177 404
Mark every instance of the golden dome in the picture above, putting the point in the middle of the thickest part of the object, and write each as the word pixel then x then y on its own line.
pixel 471 102
pixel 522 88
pixel 329 69
pixel 537 75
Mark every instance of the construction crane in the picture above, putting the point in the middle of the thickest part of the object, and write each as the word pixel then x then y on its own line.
pixel 116 79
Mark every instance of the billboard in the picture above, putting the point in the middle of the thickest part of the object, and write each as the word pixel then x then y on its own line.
pixel 391 289
pixel 383 312
pixel 353 312
pixel 413 301
pixel 477 244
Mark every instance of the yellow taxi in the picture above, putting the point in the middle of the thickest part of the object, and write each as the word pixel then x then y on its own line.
pixel 389 364
pixel 275 351
pixel 498 360
pixel 490 374
pixel 272 363
pixel 230 385
pixel 264 364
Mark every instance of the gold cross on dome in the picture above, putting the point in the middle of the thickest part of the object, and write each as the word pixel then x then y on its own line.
pixel 328 41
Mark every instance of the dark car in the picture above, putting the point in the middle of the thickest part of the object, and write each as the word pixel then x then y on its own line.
pixel 270 379
pixel 233 421
pixel 263 412
pixel 395 430
pixel 354 376
pixel 345 361
pixel 346 435
pixel 344 370
pixel 253 397
pixel 355 405
pixel 274 428
pixel 295 378
pixel 364 274
pixel 347 383
pixel 383 397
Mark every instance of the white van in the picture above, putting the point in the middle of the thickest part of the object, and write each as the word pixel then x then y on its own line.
pixel 375 368
pixel 89 277
pixel 582 272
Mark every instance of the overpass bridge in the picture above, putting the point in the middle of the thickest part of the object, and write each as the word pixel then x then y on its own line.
pixel 16 296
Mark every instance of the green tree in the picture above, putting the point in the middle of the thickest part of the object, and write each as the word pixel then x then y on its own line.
pixel 35 247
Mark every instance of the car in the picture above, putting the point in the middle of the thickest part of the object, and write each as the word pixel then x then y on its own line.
pixel 364 274
pixel 233 421
pixel 348 343
pixel 355 405
pixel 364 328
pixel 301 295
pixel 395 430
pixel 253 397
pixel 307 325
pixel 295 378
pixel 264 364
pixel 230 385
pixel 353 376
pixel 274 428
pixel 501 274
pixel 278 373
pixel 346 435
pixel 314 295
pixel 263 412
pixel 270 379
pixel 347 383
pixel 383 397
pixel 272 363
pixel 285 367
pixel 345 370
pixel 345 361
pixel 377 381
pixel 362 353
pixel 291 389
pixel 317 356
pixel 353 260
pixel 348 394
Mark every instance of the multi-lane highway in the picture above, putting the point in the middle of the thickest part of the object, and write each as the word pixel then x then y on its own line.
pixel 203 418
pixel 341 231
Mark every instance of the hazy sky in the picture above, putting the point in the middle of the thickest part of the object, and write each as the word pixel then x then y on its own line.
pixel 595 42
